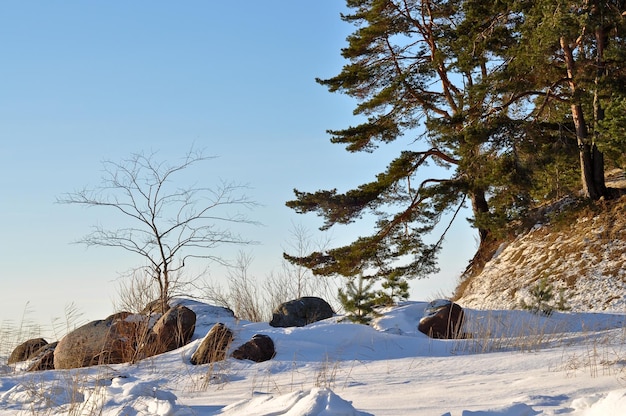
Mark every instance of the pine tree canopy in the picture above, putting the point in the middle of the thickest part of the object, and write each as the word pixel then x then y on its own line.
pixel 495 93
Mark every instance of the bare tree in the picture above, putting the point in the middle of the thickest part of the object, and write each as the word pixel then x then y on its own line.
pixel 244 293
pixel 167 224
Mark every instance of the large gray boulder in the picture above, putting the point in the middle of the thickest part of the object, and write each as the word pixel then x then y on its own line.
pixel 214 346
pixel 301 312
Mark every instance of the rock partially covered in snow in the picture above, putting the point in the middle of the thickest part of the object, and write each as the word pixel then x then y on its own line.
pixel 301 312
pixel 26 350
pixel 98 342
pixel 214 346
pixel 260 348
pixel 43 359
pixel 442 319
pixel 123 337
pixel 173 330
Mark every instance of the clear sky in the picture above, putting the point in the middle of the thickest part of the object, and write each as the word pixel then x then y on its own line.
pixel 82 82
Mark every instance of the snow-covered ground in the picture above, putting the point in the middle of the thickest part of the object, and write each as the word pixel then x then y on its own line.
pixel 515 364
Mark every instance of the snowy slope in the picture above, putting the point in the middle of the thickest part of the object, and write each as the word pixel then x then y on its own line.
pixel 585 259
pixel 515 363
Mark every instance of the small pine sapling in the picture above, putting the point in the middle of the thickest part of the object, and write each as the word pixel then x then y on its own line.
pixel 394 289
pixel 358 299
pixel 542 299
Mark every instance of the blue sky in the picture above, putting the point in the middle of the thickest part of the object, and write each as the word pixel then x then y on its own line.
pixel 82 82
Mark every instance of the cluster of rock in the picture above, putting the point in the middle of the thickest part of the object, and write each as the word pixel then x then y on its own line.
pixel 295 313
pixel 215 345
pixel 122 337
pixel 126 337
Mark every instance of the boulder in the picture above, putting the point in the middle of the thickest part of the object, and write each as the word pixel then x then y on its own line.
pixel 260 348
pixel 173 330
pixel 214 346
pixel 107 341
pixel 127 334
pixel 25 351
pixel 155 307
pixel 124 337
pixel 43 358
pixel 301 312
pixel 442 319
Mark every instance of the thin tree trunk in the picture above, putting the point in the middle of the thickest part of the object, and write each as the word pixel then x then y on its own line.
pixel 584 147
pixel 166 291
pixel 598 112
pixel 587 170
pixel 598 171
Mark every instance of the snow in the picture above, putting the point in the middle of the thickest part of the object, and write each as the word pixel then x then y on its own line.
pixel 515 363
pixel 322 402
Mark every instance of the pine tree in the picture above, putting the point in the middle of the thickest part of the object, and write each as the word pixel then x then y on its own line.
pixel 569 57
pixel 509 97
pixel 394 289
pixel 411 64
pixel 612 129
pixel 358 299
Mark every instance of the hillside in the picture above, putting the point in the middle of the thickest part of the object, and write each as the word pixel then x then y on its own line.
pixel 579 249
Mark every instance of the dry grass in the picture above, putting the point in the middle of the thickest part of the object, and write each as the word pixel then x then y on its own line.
pixel 75 393
pixel 502 332
pixel 591 353
pixel 327 373
pixel 601 355
pixel 12 334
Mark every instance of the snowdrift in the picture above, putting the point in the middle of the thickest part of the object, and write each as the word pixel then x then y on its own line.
pixel 515 363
